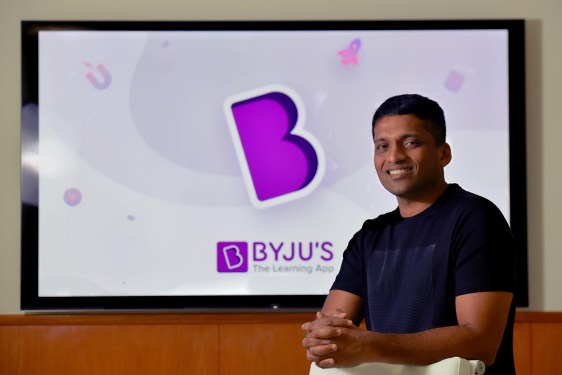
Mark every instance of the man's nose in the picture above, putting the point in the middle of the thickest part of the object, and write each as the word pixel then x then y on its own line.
pixel 396 154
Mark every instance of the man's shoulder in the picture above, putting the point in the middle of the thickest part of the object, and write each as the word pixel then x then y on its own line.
pixel 381 221
pixel 459 203
pixel 456 195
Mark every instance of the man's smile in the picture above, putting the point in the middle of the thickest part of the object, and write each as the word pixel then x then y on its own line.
pixel 394 172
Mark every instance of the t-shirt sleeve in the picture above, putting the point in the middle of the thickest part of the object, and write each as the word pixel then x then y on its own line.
pixel 485 251
pixel 350 274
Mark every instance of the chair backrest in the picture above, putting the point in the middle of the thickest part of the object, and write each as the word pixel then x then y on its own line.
pixel 449 366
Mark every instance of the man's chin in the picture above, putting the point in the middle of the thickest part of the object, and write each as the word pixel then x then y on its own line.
pixel 398 190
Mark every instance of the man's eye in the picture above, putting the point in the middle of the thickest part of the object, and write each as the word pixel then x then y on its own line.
pixel 411 143
pixel 381 147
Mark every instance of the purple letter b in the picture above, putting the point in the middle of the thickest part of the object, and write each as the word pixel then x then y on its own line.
pixel 280 161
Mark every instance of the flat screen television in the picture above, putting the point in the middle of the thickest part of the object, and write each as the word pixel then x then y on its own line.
pixel 225 165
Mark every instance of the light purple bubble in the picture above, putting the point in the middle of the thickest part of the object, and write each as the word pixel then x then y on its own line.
pixel 454 81
pixel 72 197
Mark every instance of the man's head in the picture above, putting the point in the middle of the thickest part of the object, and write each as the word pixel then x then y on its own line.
pixel 410 149
pixel 413 104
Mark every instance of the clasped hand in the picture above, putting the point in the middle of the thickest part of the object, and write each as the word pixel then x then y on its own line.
pixel 332 340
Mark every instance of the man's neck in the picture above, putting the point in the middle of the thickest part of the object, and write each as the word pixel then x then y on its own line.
pixel 412 207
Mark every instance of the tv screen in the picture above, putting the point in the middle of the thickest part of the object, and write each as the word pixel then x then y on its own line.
pixel 220 165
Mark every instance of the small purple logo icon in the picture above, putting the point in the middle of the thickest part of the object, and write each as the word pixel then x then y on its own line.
pixel 280 161
pixel 232 257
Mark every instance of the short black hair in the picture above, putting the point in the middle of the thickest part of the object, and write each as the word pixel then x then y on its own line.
pixel 417 105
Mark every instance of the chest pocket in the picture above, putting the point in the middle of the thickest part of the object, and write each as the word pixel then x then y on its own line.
pixel 400 290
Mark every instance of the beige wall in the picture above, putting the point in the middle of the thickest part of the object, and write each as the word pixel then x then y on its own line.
pixel 544 79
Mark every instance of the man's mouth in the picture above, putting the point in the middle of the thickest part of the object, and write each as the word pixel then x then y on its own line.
pixel 394 172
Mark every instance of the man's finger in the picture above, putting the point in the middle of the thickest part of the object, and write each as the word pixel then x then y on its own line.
pixel 326 363
pixel 322 350
pixel 309 342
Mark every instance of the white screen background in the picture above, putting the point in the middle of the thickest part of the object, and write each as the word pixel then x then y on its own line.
pixel 158 175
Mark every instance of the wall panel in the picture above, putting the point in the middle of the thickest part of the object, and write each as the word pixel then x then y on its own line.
pixel 547 348
pixel 522 348
pixel 204 344
pixel 109 349
pixel 273 349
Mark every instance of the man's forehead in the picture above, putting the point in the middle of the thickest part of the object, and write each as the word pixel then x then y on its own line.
pixel 399 124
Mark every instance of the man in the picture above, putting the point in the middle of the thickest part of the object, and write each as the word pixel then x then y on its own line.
pixel 434 278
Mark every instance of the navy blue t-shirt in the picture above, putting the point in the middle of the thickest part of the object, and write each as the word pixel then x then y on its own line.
pixel 408 271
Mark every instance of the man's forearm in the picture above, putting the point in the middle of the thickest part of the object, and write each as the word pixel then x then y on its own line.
pixel 426 347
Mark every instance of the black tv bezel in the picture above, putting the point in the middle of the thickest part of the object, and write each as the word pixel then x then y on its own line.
pixel 30 299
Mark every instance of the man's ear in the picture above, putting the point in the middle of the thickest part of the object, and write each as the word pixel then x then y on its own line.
pixel 445 154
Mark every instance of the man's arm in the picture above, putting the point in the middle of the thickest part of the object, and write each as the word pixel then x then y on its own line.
pixel 482 317
pixel 340 302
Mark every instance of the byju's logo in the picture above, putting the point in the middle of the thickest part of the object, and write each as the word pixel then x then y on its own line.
pixel 232 257
pixel 280 161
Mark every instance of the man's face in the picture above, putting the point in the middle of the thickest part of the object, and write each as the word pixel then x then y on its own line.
pixel 407 161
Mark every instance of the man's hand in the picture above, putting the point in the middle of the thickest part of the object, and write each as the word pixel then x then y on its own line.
pixel 322 334
pixel 340 310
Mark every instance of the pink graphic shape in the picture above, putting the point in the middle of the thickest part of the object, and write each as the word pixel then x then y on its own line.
pixel 279 162
pixel 454 81
pixel 349 54
pixel 100 85
pixel 72 197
